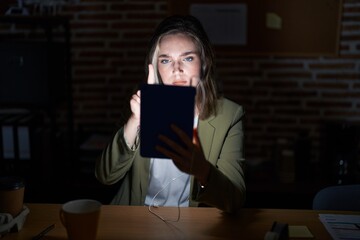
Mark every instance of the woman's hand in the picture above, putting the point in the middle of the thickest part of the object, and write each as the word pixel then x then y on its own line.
pixel 133 124
pixel 135 98
pixel 189 159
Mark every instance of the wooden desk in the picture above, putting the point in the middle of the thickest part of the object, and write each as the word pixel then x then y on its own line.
pixel 129 222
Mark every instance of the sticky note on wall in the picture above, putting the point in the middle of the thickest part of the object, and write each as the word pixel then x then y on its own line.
pixel 273 21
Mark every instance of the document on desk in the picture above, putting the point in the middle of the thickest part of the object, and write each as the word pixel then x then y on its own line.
pixel 341 226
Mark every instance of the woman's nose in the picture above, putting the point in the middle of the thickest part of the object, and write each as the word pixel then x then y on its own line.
pixel 177 66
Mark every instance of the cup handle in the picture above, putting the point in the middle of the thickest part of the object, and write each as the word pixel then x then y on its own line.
pixel 62 218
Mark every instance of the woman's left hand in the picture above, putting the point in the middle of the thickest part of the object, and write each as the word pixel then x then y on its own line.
pixel 189 159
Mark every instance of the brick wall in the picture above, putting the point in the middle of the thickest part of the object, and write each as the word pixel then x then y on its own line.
pixel 282 96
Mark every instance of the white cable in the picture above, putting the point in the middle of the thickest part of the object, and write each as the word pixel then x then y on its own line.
pixel 153 200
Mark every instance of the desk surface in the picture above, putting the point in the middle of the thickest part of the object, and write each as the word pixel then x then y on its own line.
pixel 129 222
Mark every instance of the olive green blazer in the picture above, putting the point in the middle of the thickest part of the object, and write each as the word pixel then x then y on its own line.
pixel 221 138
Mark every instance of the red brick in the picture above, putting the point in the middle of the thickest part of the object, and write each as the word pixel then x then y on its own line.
pixel 132 6
pixel 339 76
pixel 332 65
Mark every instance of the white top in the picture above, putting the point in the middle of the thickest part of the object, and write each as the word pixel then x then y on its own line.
pixel 168 183
pixel 168 186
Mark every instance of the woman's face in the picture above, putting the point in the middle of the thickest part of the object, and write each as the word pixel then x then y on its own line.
pixel 179 60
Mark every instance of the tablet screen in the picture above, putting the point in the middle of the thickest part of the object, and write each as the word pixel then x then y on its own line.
pixel 161 106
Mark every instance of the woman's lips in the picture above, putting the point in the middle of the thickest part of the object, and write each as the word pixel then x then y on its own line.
pixel 180 82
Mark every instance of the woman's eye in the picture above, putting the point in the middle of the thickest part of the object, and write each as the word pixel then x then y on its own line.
pixel 164 61
pixel 189 59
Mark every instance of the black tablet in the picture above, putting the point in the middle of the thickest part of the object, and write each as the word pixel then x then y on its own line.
pixel 161 106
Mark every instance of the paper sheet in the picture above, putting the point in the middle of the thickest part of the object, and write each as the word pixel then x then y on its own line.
pixel 342 226
pixel 300 232
pixel 225 24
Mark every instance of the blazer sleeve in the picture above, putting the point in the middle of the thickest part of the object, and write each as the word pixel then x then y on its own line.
pixel 226 186
pixel 116 160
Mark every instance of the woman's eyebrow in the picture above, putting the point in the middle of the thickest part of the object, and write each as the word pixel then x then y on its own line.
pixel 188 53
pixel 163 56
pixel 183 54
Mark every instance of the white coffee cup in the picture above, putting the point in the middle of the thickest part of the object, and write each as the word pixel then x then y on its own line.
pixel 81 218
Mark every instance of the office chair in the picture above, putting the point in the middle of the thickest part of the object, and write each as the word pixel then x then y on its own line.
pixel 340 197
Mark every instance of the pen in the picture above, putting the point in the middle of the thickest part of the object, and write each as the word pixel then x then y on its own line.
pixel 43 232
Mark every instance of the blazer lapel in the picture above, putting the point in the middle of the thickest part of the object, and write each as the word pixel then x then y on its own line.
pixel 206 135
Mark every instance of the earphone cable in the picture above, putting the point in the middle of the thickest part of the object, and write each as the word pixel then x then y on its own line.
pixel 178 205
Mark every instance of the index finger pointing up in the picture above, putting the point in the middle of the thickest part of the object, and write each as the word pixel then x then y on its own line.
pixel 151 76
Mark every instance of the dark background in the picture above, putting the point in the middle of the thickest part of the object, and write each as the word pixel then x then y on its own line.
pixel 302 112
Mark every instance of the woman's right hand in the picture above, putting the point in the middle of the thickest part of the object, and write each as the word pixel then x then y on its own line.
pixel 133 124
pixel 135 98
pixel 135 106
